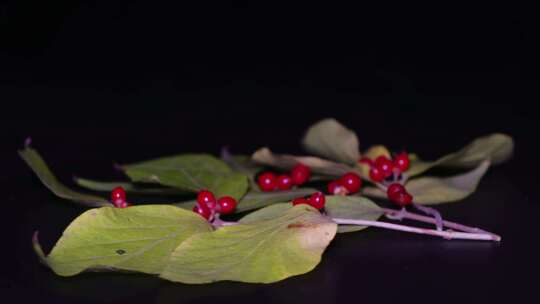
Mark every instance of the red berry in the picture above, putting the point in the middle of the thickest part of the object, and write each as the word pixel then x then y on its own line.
pixel 317 200
pixel 300 174
pixel 118 194
pixel 367 161
pixel 385 165
pixel 203 211
pixel 394 189
pixel 398 194
pixel 300 200
pixel 333 187
pixel 402 199
pixel 206 198
pixel 226 204
pixel 376 174
pixel 284 182
pixel 351 181
pixel 267 181
pixel 123 204
pixel 402 162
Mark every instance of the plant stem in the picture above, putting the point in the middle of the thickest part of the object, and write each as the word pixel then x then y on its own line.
pixel 444 234
pixel 401 214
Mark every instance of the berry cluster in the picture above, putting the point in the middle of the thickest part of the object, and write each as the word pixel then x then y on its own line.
pixel 207 205
pixel 349 183
pixel 383 167
pixel 268 181
pixel 397 193
pixel 118 198
pixel 316 200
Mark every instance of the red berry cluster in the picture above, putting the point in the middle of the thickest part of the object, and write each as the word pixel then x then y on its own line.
pixel 118 197
pixel 383 167
pixel 398 194
pixel 316 200
pixel 268 181
pixel 207 205
pixel 349 183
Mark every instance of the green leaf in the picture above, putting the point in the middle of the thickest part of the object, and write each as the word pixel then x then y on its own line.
pixel 40 168
pixel 191 172
pixel 139 238
pixel 287 162
pixel 266 213
pixel 330 139
pixel 129 187
pixel 434 190
pixel 352 207
pixel 259 252
pixel 255 200
pixel 496 147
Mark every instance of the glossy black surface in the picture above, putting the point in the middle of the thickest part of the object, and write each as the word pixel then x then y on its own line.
pixel 148 81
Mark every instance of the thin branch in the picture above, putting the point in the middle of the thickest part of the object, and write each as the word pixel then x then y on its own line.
pixel 400 214
pixel 444 234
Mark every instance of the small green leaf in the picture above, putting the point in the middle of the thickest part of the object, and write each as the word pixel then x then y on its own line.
pixel 255 200
pixel 259 252
pixel 352 207
pixel 496 147
pixel 138 238
pixel 330 139
pixel 40 168
pixel 191 172
pixel 287 162
pixel 434 190
pixel 129 187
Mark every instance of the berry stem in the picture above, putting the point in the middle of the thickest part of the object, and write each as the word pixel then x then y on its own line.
pixel 444 234
pixel 431 211
pixel 217 222
pixel 391 213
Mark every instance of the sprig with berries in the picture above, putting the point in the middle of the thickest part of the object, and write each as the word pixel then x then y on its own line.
pixel 249 215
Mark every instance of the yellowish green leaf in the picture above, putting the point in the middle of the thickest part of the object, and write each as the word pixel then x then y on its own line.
pixel 259 252
pixel 40 168
pixel 192 172
pixel 435 190
pixel 495 147
pixel 330 139
pixel 139 238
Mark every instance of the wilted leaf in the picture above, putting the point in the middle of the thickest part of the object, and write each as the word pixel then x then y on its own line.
pixel 352 207
pixel 191 172
pixel 495 147
pixel 287 162
pixel 330 139
pixel 138 238
pixel 259 252
pixel 434 190
pixel 40 168
pixel 129 187
pixel 254 200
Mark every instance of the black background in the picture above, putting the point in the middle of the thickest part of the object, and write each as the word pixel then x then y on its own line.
pixel 96 83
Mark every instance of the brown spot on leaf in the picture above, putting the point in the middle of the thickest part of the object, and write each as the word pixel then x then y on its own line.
pixel 301 225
